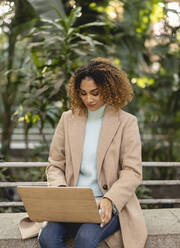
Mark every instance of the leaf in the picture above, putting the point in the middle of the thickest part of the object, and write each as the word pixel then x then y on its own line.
pixel 42 90
pixel 60 16
pixel 86 38
pixel 79 52
pixel 75 13
pixel 52 23
pixel 44 9
pixel 35 44
pixel 24 28
pixel 92 24
pixel 35 59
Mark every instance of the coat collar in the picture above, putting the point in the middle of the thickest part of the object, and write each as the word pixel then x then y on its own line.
pixel 77 128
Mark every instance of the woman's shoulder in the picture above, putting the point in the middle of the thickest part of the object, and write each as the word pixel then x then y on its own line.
pixel 127 116
pixel 67 114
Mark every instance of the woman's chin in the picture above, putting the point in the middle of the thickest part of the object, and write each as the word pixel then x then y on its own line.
pixel 92 107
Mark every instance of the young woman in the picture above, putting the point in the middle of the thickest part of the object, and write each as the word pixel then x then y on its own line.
pixel 97 145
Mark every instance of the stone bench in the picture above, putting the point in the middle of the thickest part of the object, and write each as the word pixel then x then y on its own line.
pixel 163 230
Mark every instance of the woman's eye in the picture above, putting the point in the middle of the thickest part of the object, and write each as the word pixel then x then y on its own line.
pixel 82 93
pixel 93 94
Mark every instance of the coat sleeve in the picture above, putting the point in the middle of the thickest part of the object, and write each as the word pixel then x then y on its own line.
pixel 57 162
pixel 130 158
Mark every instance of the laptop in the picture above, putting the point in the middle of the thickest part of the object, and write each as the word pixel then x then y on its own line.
pixel 60 204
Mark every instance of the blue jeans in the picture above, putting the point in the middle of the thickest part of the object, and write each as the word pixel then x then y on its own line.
pixel 86 235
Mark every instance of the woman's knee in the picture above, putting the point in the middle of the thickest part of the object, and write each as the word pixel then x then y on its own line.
pixel 85 238
pixel 43 238
pixel 51 235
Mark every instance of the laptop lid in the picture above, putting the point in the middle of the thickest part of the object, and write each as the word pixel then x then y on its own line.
pixel 60 204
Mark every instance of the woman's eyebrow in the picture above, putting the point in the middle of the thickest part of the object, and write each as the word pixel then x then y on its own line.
pixel 90 90
pixel 93 90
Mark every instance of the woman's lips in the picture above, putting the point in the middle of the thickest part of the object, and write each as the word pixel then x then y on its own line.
pixel 91 105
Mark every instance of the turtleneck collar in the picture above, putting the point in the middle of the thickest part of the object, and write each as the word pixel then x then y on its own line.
pixel 97 113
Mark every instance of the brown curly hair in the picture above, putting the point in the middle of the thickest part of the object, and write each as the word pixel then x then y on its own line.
pixel 113 83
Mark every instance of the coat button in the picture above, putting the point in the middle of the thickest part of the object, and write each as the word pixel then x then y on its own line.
pixel 105 187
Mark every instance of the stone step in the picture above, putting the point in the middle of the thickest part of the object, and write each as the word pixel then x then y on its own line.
pixel 163 230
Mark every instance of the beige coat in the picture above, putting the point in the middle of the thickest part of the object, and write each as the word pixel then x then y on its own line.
pixel 119 168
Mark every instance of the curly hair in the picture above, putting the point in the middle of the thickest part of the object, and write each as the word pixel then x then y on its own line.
pixel 113 83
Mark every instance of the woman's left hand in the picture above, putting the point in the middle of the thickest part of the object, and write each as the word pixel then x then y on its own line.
pixel 105 205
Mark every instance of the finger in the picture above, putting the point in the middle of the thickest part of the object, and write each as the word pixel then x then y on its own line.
pixel 108 216
pixel 103 214
pixel 102 223
pixel 105 219
pixel 102 218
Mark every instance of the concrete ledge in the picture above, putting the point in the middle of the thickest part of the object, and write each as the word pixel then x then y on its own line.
pixel 163 230
pixel 10 235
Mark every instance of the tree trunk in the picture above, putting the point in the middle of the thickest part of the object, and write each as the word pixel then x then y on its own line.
pixel 7 127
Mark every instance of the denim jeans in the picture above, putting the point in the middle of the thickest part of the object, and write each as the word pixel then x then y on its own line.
pixel 86 235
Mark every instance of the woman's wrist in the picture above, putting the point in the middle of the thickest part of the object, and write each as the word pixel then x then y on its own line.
pixel 114 209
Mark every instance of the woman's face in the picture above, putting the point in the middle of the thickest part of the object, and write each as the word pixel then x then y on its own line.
pixel 90 94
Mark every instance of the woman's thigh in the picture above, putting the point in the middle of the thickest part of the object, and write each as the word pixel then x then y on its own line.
pixel 90 234
pixel 86 235
pixel 53 234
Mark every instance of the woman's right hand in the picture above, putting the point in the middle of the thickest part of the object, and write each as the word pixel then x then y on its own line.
pixel 105 206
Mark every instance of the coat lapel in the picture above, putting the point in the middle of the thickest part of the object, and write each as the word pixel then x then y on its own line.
pixel 109 128
pixel 76 130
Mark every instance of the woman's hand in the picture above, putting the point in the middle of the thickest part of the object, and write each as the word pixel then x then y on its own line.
pixel 105 206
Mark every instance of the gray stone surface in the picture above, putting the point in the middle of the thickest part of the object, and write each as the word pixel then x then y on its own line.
pixel 10 235
pixel 163 230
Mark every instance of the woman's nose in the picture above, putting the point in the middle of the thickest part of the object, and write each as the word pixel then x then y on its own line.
pixel 89 98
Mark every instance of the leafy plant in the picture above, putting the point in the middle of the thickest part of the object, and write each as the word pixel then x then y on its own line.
pixel 57 48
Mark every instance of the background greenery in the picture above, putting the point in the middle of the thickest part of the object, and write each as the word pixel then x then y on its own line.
pixel 43 42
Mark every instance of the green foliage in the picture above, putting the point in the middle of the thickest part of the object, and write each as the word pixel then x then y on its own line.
pixel 44 8
pixel 164 95
pixel 152 63
pixel 143 192
pixel 57 49
pixel 64 38
pixel 14 24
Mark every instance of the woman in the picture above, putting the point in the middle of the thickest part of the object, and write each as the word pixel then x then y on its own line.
pixel 97 145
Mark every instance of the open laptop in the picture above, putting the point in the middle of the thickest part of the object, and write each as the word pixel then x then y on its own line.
pixel 60 204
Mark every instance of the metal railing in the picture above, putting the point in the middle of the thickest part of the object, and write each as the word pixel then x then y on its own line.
pixel 44 164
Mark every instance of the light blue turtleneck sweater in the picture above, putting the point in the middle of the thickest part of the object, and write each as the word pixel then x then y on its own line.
pixel 88 169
